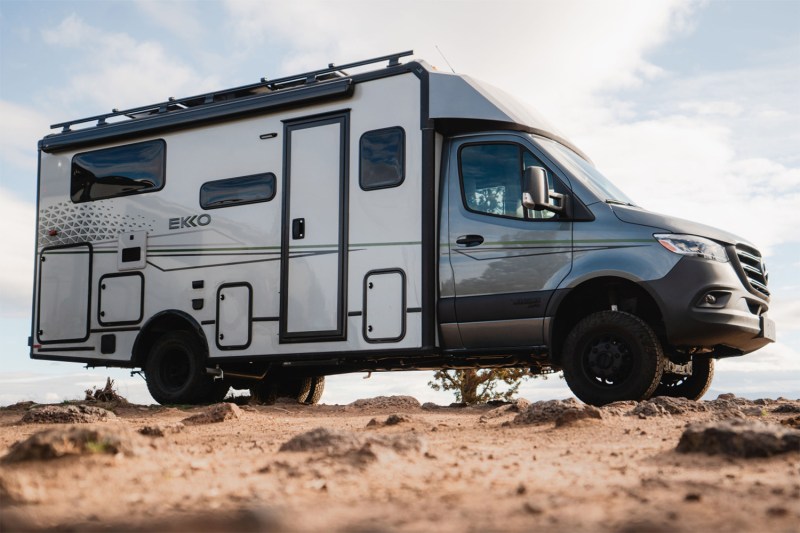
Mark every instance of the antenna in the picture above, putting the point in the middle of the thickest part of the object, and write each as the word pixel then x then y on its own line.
pixel 445 59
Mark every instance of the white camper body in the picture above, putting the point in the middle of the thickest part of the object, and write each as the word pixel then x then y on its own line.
pixel 268 235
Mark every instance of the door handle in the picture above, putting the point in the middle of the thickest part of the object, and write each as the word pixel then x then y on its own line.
pixel 470 240
pixel 298 228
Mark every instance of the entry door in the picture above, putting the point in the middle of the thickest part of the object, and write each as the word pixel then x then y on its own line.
pixel 314 237
pixel 507 261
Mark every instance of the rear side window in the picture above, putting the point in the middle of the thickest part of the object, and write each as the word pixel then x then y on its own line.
pixel 237 191
pixel 382 154
pixel 119 171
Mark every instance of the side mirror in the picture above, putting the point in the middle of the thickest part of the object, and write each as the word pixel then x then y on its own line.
pixel 536 194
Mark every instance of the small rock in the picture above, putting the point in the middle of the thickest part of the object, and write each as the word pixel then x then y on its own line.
pixel 393 420
pixel 67 414
pixel 356 448
pixel 160 430
pixel 787 408
pixel 430 406
pixel 793 422
pixel 666 406
pixel 322 440
pixel 739 438
pixel 693 497
pixel 76 440
pixel 19 490
pixel 216 413
pixel 588 412
pixel 619 408
pixel 530 508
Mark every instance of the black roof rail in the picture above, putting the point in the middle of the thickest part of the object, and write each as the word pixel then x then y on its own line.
pixel 265 85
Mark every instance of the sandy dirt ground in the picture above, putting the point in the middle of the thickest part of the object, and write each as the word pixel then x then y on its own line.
pixel 389 464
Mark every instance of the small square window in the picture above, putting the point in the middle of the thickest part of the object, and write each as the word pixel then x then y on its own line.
pixel 382 158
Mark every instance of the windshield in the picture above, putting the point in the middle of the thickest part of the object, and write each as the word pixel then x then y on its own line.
pixel 584 171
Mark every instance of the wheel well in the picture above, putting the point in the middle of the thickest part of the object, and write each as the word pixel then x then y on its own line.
pixel 162 323
pixel 597 295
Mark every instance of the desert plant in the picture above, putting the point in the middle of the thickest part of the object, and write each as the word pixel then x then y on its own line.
pixel 475 386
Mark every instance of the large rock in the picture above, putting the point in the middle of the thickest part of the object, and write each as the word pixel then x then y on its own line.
pixel 77 440
pixel 67 414
pixel 386 402
pixel 739 438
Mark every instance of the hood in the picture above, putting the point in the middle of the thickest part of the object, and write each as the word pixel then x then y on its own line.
pixel 669 224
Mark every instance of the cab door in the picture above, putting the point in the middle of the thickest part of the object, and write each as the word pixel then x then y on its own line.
pixel 506 260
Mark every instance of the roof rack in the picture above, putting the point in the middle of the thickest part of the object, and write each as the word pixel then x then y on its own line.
pixel 264 86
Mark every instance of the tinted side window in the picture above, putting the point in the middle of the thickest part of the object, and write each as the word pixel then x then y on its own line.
pixel 237 191
pixel 491 179
pixel 119 171
pixel 382 155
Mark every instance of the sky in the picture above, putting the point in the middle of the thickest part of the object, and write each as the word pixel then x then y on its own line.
pixel 691 107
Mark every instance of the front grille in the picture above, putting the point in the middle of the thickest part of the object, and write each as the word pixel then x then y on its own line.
pixel 753 269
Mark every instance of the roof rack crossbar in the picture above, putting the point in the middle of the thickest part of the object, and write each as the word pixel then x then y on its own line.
pixel 208 98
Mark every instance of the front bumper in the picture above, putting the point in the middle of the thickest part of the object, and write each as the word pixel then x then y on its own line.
pixel 704 304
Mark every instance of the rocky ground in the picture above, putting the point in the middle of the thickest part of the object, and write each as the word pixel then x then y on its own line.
pixel 391 464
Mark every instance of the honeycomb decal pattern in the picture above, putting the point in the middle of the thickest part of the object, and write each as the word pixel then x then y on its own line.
pixel 90 222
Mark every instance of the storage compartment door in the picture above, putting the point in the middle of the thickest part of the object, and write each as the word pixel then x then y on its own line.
pixel 384 306
pixel 234 316
pixel 65 275
pixel 120 299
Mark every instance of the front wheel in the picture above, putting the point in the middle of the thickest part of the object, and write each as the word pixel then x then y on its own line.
pixel 611 356
pixel 692 387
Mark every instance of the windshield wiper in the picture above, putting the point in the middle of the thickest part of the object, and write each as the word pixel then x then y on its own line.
pixel 618 202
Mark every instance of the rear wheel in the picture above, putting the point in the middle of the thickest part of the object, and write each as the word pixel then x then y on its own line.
pixel 175 371
pixel 610 356
pixel 692 387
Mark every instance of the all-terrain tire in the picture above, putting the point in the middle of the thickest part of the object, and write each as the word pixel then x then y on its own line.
pixel 611 356
pixel 692 387
pixel 175 369
pixel 294 387
pixel 264 392
pixel 317 387
pixel 216 391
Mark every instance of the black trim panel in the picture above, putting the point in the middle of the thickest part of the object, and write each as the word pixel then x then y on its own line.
pixel 68 349
pixel 115 330
pixel 489 308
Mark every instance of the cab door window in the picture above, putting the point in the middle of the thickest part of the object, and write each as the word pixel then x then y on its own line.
pixel 491 179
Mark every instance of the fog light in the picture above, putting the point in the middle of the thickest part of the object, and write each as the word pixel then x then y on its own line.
pixel 710 299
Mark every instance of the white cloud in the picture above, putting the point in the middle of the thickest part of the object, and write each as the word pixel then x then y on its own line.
pixel 122 72
pixel 553 52
pixel 22 128
pixel 18 220
pixel 176 17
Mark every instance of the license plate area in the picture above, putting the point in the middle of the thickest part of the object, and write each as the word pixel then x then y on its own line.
pixel 768 329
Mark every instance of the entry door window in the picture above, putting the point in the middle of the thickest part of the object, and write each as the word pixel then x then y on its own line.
pixel 491 178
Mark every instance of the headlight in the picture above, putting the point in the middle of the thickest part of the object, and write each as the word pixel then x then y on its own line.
pixel 693 245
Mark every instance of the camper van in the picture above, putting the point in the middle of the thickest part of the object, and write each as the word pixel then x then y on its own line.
pixel 374 216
